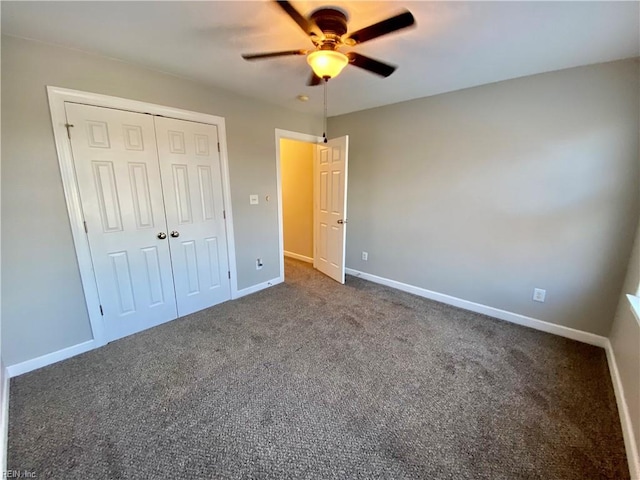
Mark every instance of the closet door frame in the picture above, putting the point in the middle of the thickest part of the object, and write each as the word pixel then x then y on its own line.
pixel 57 98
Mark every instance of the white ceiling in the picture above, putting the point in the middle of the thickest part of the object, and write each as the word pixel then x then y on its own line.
pixel 455 45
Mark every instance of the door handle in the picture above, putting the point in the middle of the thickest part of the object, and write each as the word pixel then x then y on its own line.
pixel 162 235
pixel 341 222
pixel 175 234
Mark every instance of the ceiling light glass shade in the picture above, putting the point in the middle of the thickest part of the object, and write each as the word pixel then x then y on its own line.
pixel 327 63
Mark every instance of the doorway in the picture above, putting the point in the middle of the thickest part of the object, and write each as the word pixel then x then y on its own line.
pixel 296 175
pixel 305 141
pixel 328 192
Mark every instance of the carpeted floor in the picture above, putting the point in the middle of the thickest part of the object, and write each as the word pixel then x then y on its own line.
pixel 313 380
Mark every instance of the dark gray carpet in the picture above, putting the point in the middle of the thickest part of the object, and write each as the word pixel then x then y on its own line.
pixel 313 380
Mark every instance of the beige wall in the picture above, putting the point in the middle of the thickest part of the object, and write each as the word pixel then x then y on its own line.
pixel 625 341
pixel 43 307
pixel 296 170
pixel 486 193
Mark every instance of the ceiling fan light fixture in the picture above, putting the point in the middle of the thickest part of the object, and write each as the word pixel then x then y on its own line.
pixel 327 63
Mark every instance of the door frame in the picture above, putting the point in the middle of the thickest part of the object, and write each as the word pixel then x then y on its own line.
pixel 301 137
pixel 57 98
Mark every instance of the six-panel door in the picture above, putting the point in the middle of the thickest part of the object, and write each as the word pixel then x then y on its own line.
pixel 192 185
pixel 331 207
pixel 118 176
pixel 152 199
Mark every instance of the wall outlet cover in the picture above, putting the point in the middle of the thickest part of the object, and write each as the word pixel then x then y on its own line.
pixel 539 295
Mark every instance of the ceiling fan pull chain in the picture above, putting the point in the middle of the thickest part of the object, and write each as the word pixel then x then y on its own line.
pixel 324 134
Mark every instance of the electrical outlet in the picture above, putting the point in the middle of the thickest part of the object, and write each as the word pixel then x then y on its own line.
pixel 539 295
pixel 259 264
pixel 365 256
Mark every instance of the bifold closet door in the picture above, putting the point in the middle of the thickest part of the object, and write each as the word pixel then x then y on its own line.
pixel 192 185
pixel 118 175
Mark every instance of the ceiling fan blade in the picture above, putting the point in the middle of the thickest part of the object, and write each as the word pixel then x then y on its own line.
pixel 258 56
pixel 309 27
pixel 314 80
pixel 371 65
pixel 384 27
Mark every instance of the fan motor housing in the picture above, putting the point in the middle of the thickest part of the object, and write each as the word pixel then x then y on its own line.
pixel 330 20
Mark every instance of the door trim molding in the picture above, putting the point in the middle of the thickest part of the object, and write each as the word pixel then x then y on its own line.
pixel 302 137
pixel 57 98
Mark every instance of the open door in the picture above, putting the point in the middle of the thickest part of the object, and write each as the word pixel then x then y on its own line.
pixel 330 207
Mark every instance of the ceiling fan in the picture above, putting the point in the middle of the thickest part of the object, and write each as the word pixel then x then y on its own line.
pixel 327 29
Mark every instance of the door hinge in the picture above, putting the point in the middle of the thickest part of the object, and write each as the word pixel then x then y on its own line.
pixel 68 126
pixel 101 311
pixel 224 214
pixel 229 274
pixel 218 144
pixel 86 229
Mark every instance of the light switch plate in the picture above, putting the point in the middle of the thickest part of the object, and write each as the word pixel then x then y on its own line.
pixel 253 200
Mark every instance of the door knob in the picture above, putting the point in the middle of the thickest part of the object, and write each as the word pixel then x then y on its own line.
pixel 342 221
pixel 175 234
pixel 162 235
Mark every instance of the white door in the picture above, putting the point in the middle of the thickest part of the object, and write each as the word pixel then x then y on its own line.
pixel 331 207
pixel 192 185
pixel 116 164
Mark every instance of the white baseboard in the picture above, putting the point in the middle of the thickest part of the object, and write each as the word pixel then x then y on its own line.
pixel 297 256
pixel 4 419
pixel 625 419
pixel 258 287
pixel 567 332
pixel 50 358
pixel 585 337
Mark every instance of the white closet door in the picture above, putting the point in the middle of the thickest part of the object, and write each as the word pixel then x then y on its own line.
pixel 116 165
pixel 192 185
